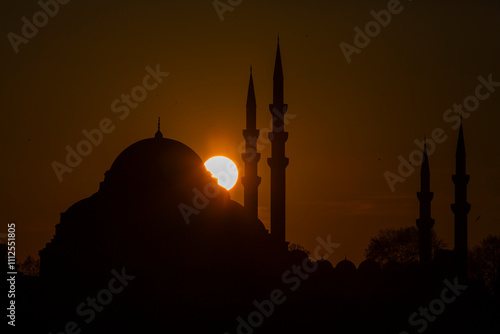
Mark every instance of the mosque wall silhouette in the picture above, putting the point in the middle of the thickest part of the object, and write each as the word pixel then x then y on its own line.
pixel 207 275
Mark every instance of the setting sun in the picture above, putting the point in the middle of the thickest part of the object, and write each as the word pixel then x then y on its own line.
pixel 224 170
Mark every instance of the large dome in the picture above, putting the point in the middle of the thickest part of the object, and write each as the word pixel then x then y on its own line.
pixel 157 163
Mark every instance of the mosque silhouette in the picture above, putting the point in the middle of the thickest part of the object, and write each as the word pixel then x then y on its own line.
pixel 160 247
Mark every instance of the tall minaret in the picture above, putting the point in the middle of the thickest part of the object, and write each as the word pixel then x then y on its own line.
pixel 461 207
pixel 251 180
pixel 278 161
pixel 425 222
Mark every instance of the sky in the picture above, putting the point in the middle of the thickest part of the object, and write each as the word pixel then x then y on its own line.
pixel 350 118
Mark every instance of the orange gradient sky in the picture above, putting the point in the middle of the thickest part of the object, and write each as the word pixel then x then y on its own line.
pixel 351 121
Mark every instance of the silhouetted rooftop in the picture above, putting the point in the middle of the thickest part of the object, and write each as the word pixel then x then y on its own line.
pixel 157 162
pixel 345 265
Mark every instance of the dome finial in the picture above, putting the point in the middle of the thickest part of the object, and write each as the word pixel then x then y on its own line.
pixel 158 133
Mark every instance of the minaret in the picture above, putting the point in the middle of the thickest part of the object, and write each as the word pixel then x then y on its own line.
pixel 425 222
pixel 251 180
pixel 278 161
pixel 461 207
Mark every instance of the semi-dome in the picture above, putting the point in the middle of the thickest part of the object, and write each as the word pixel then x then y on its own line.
pixel 346 266
pixel 369 266
pixel 325 265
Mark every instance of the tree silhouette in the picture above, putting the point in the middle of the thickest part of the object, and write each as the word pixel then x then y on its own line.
pixel 399 245
pixel 30 266
pixel 293 247
pixel 485 262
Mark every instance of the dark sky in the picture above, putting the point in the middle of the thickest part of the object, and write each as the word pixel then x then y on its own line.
pixel 350 122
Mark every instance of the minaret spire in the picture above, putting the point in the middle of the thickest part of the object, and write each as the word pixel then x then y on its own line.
pixel 278 77
pixel 460 153
pixel 251 158
pixel 425 222
pixel 461 207
pixel 158 133
pixel 278 162
pixel 251 105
